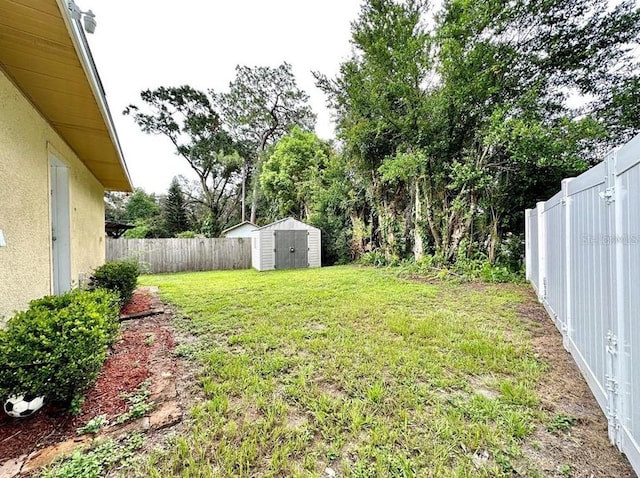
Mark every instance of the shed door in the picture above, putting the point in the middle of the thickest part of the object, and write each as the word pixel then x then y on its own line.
pixel 291 249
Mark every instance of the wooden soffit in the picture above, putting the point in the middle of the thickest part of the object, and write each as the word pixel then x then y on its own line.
pixel 46 55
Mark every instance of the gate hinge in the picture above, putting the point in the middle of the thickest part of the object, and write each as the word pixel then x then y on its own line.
pixel 612 343
pixel 611 384
pixel 608 195
pixel 612 417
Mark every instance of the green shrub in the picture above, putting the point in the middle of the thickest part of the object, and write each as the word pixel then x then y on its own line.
pixel 186 235
pixel 377 258
pixel 464 269
pixel 57 347
pixel 117 276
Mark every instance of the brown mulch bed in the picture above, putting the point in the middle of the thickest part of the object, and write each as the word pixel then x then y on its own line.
pixel 128 365
pixel 140 302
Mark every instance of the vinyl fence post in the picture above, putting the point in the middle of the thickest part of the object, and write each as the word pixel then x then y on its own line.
pixel 542 253
pixel 568 312
pixel 622 288
pixel 527 243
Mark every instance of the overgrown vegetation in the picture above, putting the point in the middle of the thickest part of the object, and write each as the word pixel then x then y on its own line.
pixel 119 277
pixel 56 347
pixel 453 126
pixel 431 267
pixel 95 462
pixel 353 369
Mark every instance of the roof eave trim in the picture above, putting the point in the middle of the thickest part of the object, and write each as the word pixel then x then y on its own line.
pixel 88 65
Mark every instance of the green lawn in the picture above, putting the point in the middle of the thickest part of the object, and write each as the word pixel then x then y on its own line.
pixel 351 369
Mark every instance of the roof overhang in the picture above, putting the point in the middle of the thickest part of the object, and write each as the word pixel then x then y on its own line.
pixel 45 53
pixel 237 226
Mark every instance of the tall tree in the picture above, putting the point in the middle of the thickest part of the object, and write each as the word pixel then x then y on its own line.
pixel 454 132
pixel 187 118
pixel 262 104
pixel 141 206
pixel 380 99
pixel 290 175
pixel 174 212
pixel 114 206
pixel 506 71
pixel 142 209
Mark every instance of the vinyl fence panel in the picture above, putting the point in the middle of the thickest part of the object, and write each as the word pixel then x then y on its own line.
pixel 583 259
pixel 553 283
pixel 590 272
pixel 183 255
pixel 627 248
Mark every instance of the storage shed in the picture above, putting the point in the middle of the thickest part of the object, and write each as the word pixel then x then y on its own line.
pixel 285 244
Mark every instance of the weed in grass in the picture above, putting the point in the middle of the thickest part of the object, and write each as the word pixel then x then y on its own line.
pixel 518 393
pixel 94 425
pixel 138 404
pixel 149 339
pixel 376 392
pixel 187 351
pixel 561 422
pixel 565 470
pixel 95 462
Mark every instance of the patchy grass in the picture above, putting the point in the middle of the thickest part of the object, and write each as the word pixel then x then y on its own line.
pixel 354 370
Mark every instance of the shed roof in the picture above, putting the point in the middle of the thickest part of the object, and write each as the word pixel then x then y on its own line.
pixel 237 226
pixel 45 53
pixel 288 222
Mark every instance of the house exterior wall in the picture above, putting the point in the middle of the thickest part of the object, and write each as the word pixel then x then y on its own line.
pixel 241 231
pixel 27 142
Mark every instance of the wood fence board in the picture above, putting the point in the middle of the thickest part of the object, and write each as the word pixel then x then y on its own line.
pixel 182 255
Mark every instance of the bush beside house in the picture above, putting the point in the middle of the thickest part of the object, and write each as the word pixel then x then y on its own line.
pixel 120 277
pixel 57 346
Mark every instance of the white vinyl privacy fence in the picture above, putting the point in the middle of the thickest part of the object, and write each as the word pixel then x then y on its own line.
pixel 583 259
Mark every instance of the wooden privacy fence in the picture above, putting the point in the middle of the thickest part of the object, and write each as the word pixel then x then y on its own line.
pixel 183 255
pixel 583 258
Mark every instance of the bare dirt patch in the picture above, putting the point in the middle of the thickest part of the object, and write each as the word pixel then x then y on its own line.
pixel 583 450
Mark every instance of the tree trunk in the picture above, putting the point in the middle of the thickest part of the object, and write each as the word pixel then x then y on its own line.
pixel 244 189
pixel 433 222
pixel 494 238
pixel 418 242
pixel 254 202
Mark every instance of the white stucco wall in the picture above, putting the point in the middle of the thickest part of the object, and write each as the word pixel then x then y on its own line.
pixel 26 143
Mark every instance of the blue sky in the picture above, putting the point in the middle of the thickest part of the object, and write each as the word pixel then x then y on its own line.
pixel 143 44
